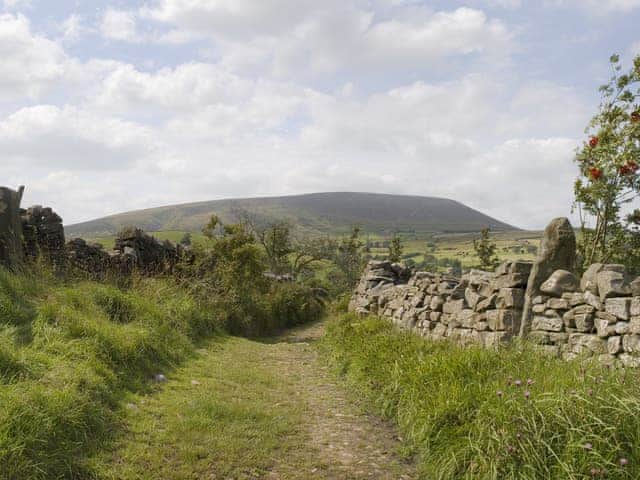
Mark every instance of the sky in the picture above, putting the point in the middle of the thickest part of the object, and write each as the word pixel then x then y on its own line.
pixel 109 106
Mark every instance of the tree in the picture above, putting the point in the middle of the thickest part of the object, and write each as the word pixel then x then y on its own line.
pixel 186 239
pixel 395 248
pixel 609 162
pixel 274 236
pixel 485 250
pixel 349 260
pixel 308 250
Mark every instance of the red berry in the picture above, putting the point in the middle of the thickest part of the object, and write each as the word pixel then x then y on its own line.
pixel 635 117
pixel 595 173
pixel 633 166
pixel 593 142
pixel 624 170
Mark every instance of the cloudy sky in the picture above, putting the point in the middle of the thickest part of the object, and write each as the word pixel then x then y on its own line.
pixel 107 106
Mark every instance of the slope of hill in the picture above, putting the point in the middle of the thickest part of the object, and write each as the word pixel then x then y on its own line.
pixel 328 213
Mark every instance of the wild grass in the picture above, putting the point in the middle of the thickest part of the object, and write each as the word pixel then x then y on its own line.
pixel 482 414
pixel 70 352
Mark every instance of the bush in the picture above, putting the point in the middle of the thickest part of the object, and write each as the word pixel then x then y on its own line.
pixel 462 411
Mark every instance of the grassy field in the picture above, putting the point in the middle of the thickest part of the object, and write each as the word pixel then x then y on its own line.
pixel 463 414
pixel 513 245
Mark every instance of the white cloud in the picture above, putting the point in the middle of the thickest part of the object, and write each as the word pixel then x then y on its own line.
pixel 332 35
pixel 119 25
pixel 71 138
pixel 30 63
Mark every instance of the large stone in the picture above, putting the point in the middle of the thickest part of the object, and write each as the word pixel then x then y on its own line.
pixel 589 281
pixel 635 287
pixel 509 280
pixel 583 322
pixel 614 345
pixel 453 306
pixel 631 343
pixel 487 303
pixel 510 298
pixel 507 320
pixel 612 283
pixel 11 248
pixel 547 324
pixel 620 307
pixel 635 307
pixel 472 297
pixel 580 343
pixel 557 252
pixel 560 282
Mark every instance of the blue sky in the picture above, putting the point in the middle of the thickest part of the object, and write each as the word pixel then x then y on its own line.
pixel 107 106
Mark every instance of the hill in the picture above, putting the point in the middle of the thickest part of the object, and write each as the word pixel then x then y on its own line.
pixel 326 213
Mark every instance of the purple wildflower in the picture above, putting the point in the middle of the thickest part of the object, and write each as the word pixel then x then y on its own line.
pixel 527 394
pixel 588 446
pixel 517 383
pixel 623 461
pixel 499 393
pixel 530 381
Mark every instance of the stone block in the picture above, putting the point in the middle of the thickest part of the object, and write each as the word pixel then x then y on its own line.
pixel 620 307
pixel 510 298
pixel 612 284
pixel 508 320
pixel 581 343
pixel 631 343
pixel 547 324
pixel 487 304
pixel 634 310
pixel 560 281
pixel 614 345
pixel 453 306
pixel 583 322
pixel 558 304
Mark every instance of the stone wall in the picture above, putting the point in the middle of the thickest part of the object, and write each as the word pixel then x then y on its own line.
pixel 43 234
pixel 479 308
pixel 11 248
pixel 596 316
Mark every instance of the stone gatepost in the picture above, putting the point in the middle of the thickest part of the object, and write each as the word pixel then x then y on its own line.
pixel 11 249
pixel 557 252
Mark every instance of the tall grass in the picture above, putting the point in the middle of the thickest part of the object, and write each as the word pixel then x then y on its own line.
pixel 70 350
pixel 482 414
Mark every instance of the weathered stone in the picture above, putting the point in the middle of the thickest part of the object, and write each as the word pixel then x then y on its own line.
pixel 593 300
pixel 635 287
pixel 620 307
pixel 589 281
pixel 622 328
pixel 453 306
pixel 574 298
pixel 539 308
pixel 540 337
pixel 560 281
pixel 472 297
pixel 467 318
pixel 510 280
pixel 604 328
pixel 629 361
pixel 539 299
pixel 634 325
pixel 569 319
pixel 487 303
pixel 558 304
pixel 607 316
pixel 508 320
pixel 481 326
pixel 494 339
pixel 612 283
pixel 557 251
pixel 436 303
pixel 631 343
pixel 520 267
pixel 510 298
pixel 435 316
pixel 583 309
pixel 581 343
pixel 607 359
pixel 583 322
pixel 547 324
pixel 634 310
pixel 478 277
pixel 11 248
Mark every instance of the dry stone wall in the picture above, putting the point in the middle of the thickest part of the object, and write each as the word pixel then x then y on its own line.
pixel 595 316
pixel 479 308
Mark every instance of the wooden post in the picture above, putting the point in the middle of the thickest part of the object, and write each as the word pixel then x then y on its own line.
pixel 11 249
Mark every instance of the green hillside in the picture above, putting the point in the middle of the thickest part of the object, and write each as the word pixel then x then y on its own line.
pixel 313 213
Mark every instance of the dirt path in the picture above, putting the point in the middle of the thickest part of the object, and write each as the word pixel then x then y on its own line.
pixel 349 444
pixel 243 410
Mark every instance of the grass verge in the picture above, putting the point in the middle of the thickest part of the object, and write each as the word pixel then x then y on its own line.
pixel 482 414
